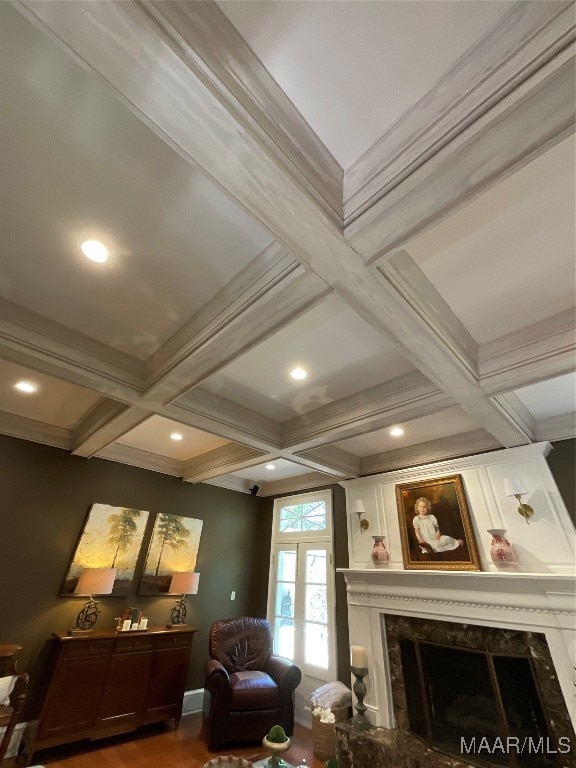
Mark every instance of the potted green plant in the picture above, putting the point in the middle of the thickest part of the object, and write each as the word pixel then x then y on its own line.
pixel 276 742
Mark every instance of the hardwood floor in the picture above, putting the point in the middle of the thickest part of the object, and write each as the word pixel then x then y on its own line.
pixel 163 747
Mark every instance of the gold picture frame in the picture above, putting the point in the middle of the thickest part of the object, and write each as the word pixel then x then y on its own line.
pixel 435 525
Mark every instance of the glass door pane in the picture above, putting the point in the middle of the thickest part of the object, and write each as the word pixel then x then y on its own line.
pixel 285 598
pixel 316 608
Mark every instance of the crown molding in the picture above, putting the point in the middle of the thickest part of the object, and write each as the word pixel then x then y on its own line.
pixel 35 431
pixel 230 482
pixel 134 457
pixel 562 427
pixel 297 483
pixel 529 36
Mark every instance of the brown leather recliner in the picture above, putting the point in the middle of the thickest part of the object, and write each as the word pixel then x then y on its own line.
pixel 247 690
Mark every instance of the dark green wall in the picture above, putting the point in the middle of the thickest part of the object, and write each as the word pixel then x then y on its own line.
pixel 562 463
pixel 46 494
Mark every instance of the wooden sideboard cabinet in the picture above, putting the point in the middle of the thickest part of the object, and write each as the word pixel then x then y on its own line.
pixel 111 682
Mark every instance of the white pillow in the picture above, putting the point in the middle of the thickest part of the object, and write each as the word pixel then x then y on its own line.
pixel 6 687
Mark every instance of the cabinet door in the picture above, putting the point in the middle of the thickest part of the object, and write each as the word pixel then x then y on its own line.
pixel 167 683
pixel 74 697
pixel 124 693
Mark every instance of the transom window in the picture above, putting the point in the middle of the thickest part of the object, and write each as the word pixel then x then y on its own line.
pixel 307 516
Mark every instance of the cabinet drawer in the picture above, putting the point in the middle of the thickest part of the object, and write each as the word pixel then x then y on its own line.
pixel 87 648
pixel 136 643
pixel 174 641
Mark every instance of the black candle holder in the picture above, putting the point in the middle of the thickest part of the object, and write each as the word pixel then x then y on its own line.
pixel 360 721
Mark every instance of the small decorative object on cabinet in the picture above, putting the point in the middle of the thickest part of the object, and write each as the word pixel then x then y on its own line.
pixel 86 695
pixel 501 551
pixel 380 555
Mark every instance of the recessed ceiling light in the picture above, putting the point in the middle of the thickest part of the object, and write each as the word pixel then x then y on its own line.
pixel 298 373
pixel 95 250
pixel 396 431
pixel 176 436
pixel 26 386
pixel 270 466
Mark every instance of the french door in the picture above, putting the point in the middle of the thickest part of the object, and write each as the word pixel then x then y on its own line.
pixel 301 593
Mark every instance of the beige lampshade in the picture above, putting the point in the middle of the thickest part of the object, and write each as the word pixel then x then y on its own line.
pixel 96 581
pixel 358 507
pixel 184 583
pixel 513 486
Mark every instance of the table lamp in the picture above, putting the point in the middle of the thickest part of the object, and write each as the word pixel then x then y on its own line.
pixel 183 583
pixel 92 581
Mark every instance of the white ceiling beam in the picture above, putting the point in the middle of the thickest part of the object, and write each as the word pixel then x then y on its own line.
pixel 535 353
pixel 524 124
pixel 463 444
pixel 233 330
pixel 269 292
pixel 223 460
pixel 248 90
pixel 329 458
pixel 34 341
pixel 204 410
pixel 528 36
pixel 104 424
pixel 398 400
pixel 180 104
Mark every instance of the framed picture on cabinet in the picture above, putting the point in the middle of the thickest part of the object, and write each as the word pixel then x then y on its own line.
pixel 435 525
pixel 173 548
pixel 111 538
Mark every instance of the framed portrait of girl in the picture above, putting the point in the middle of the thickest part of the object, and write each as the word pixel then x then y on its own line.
pixel 435 525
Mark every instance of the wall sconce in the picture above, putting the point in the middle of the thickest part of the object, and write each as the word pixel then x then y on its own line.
pixel 513 486
pixel 358 509
pixel 183 583
pixel 92 581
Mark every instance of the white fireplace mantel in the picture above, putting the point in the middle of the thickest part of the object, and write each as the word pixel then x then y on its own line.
pixel 538 597
pixel 532 602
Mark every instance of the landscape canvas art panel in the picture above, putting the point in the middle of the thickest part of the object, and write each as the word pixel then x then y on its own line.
pixel 111 538
pixel 173 547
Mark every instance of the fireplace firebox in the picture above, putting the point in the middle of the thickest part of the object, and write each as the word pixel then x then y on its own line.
pixel 463 701
pixel 485 693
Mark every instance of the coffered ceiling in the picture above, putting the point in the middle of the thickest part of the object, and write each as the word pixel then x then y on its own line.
pixel 380 193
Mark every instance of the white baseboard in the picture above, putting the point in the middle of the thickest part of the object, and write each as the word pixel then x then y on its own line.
pixel 192 701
